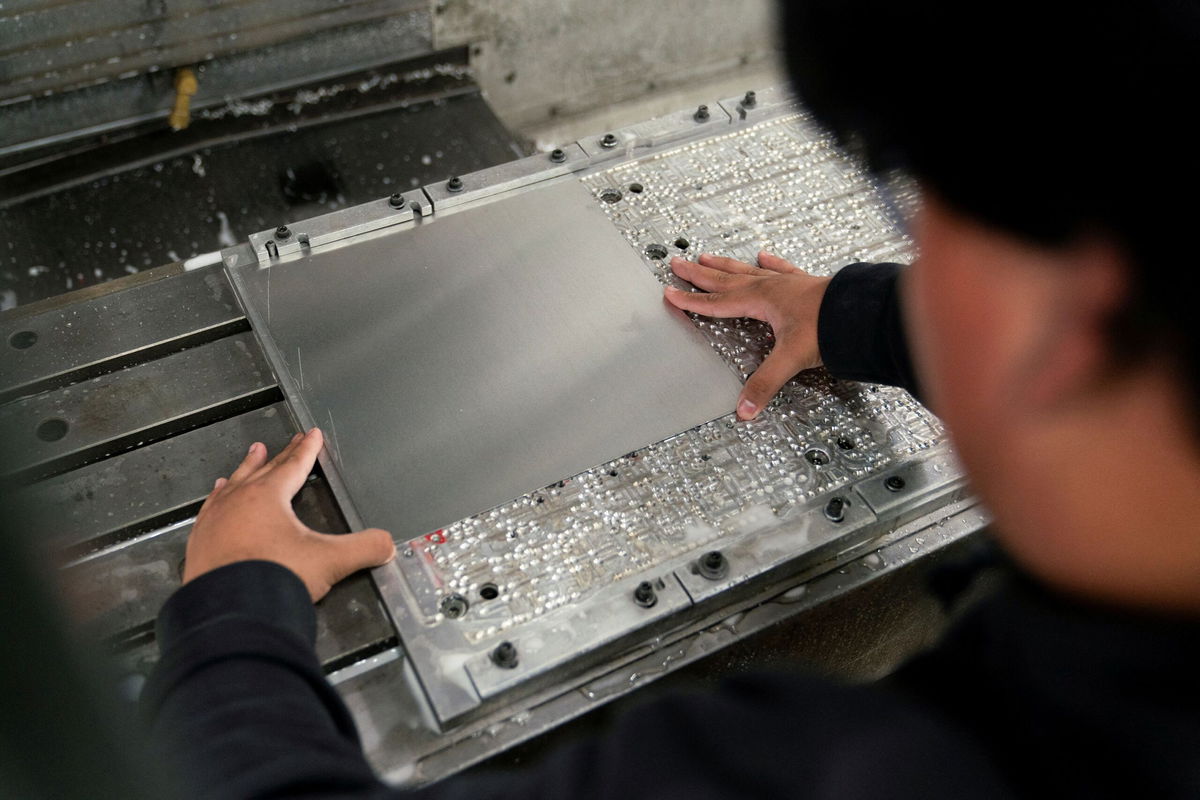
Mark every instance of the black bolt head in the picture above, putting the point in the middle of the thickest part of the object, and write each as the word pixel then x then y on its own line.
pixel 609 140
pixel 282 232
pixel 835 509
pixel 505 655
pixel 396 200
pixel 713 565
pixel 557 155
pixel 750 100
pixel 701 113
pixel 455 184
pixel 894 483
pixel 644 594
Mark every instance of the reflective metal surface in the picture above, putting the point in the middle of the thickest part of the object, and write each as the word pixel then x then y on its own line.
pixel 564 560
pixel 63 344
pixel 145 435
pixel 496 604
pixel 380 692
pixel 461 362
pixel 148 487
pixel 65 428
pixel 282 241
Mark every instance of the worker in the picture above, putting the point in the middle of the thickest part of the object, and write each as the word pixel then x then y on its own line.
pixel 1050 316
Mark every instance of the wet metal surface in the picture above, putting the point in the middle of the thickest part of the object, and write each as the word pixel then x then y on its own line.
pixel 131 219
pixel 547 571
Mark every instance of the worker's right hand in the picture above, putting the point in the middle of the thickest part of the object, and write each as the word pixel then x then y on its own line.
pixel 249 516
pixel 784 296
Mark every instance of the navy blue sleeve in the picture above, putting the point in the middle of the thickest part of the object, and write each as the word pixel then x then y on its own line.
pixel 239 708
pixel 238 704
pixel 860 328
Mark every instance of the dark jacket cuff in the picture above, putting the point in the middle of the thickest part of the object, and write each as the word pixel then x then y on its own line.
pixel 251 591
pixel 859 328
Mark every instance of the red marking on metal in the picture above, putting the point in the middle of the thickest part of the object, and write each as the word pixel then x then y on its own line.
pixel 437 537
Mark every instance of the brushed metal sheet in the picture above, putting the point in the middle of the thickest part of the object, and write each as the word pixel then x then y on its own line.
pixel 459 363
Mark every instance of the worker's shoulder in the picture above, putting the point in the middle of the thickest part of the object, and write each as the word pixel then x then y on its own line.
pixel 1069 697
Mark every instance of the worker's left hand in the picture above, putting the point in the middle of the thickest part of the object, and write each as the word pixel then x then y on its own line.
pixel 249 516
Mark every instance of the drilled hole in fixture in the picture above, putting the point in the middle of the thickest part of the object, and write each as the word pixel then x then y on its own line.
pixel 52 430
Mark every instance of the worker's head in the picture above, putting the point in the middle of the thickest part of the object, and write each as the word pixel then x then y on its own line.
pixel 1051 308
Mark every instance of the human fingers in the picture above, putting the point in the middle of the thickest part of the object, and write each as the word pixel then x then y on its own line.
pixel 267 464
pixel 725 264
pixel 347 553
pixel 255 457
pixel 290 468
pixel 280 457
pixel 710 280
pixel 711 304
pixel 775 263
pixel 219 484
pixel 777 368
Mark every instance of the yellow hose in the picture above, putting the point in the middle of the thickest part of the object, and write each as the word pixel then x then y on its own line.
pixel 185 86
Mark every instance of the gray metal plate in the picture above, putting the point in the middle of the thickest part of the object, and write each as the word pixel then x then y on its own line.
pixel 553 572
pixel 458 363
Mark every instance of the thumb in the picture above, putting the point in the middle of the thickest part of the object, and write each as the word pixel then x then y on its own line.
pixel 350 552
pixel 776 370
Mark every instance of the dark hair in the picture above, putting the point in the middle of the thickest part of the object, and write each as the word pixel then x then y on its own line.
pixel 1049 120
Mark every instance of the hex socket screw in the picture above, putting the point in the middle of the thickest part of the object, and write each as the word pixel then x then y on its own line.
pixel 505 655
pixel 818 458
pixel 701 114
pixel 644 594
pixel 282 232
pixel 835 509
pixel 558 155
pixel 396 200
pixel 750 100
pixel 455 184
pixel 713 565
pixel 894 483
pixel 454 606
pixel 609 140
